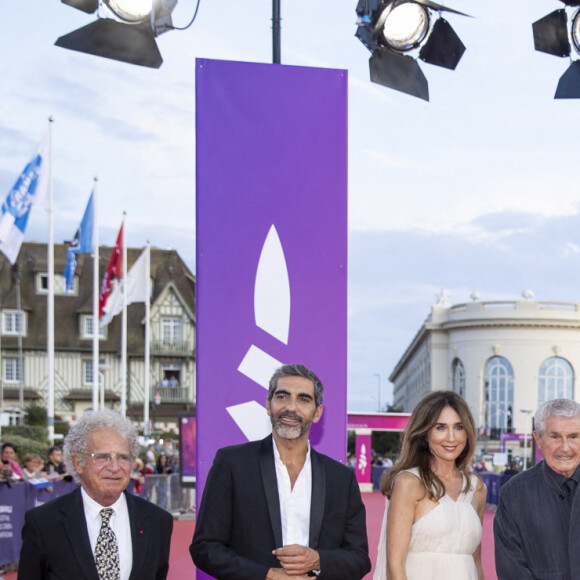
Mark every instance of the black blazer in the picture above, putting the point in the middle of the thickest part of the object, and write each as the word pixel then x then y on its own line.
pixel 55 541
pixel 238 524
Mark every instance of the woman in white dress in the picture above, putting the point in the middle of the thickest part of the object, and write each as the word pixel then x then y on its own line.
pixel 434 504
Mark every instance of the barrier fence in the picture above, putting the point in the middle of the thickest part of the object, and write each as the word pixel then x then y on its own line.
pixel 166 492
pixel 14 501
pixel 491 480
pixel 163 490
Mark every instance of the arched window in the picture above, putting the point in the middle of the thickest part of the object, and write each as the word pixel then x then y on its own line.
pixel 556 380
pixel 499 396
pixel 458 377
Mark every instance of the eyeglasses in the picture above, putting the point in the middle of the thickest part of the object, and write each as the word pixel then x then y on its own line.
pixel 102 459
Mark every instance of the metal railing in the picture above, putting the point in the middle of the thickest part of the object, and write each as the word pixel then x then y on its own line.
pixel 172 394
pixel 166 492
pixel 175 348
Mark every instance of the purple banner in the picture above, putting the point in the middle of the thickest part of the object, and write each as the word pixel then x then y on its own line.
pixel 271 246
pixel 187 449
pixel 14 502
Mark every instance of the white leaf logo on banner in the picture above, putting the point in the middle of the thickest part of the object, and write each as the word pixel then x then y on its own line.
pixel 252 419
pixel 362 460
pixel 272 314
pixel 272 289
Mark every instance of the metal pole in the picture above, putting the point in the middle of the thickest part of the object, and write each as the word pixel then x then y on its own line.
pixel 147 369
pixel 379 397
pixel 527 413
pixel 276 52
pixel 50 301
pixel 19 316
pixel 124 323
pixel 96 327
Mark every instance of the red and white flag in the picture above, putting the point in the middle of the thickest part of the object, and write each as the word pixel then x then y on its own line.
pixel 114 270
pixel 138 288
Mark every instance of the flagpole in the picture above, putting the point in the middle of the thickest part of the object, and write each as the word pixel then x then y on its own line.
pixel 146 429
pixel 124 326
pixel 50 297
pixel 96 327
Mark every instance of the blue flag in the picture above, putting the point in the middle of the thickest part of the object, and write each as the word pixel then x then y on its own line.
pixel 29 189
pixel 82 243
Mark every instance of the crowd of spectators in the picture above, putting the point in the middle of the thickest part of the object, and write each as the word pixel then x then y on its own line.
pixel 161 458
pixel 34 469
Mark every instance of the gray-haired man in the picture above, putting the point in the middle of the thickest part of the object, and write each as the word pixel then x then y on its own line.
pixel 98 530
pixel 276 508
pixel 537 524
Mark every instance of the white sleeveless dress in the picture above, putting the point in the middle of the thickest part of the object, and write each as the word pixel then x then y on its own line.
pixel 442 541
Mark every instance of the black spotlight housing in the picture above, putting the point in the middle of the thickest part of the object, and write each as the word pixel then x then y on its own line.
pixel 393 62
pixel 110 39
pixel 552 35
pixel 88 6
pixel 118 39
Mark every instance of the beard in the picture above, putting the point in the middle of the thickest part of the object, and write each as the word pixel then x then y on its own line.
pixel 290 432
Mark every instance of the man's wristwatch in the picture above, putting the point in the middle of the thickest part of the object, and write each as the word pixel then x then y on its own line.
pixel 315 573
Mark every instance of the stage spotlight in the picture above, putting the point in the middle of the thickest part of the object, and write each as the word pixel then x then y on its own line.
pixel 128 37
pixel 558 34
pixel 397 32
pixel 88 6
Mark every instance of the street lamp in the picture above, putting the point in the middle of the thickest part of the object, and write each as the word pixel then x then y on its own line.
pixel 157 402
pixel 379 389
pixel 527 413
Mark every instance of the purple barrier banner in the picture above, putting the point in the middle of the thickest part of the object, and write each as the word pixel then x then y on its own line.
pixel 14 502
pixel 271 155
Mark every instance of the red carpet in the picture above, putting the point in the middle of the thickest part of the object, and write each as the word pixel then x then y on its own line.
pixel 181 566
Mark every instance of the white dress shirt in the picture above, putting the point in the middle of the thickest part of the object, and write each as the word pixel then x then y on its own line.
pixel 119 523
pixel 294 503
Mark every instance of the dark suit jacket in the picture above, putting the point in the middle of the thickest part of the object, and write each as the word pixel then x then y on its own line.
pixel 56 541
pixel 537 535
pixel 238 524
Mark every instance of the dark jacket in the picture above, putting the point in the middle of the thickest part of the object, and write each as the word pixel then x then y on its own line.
pixel 537 535
pixel 238 523
pixel 56 542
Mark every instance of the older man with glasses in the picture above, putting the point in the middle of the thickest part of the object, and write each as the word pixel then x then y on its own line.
pixel 537 523
pixel 98 530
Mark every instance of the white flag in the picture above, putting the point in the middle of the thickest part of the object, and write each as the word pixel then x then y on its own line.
pixel 137 289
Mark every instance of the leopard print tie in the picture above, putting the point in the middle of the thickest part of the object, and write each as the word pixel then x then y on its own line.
pixel 107 550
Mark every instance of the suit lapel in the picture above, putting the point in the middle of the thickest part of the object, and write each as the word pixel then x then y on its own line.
pixel 317 498
pixel 270 483
pixel 75 525
pixel 140 532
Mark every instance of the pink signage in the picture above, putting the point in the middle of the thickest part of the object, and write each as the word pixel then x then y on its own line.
pixel 378 421
pixel 363 458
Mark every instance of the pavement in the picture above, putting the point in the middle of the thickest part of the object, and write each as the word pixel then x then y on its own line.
pixel 181 567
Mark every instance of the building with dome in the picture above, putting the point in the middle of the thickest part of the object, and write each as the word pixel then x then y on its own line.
pixel 503 357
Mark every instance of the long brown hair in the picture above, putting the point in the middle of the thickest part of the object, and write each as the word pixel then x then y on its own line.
pixel 415 450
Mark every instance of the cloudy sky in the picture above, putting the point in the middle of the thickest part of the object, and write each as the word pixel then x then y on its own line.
pixel 474 191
